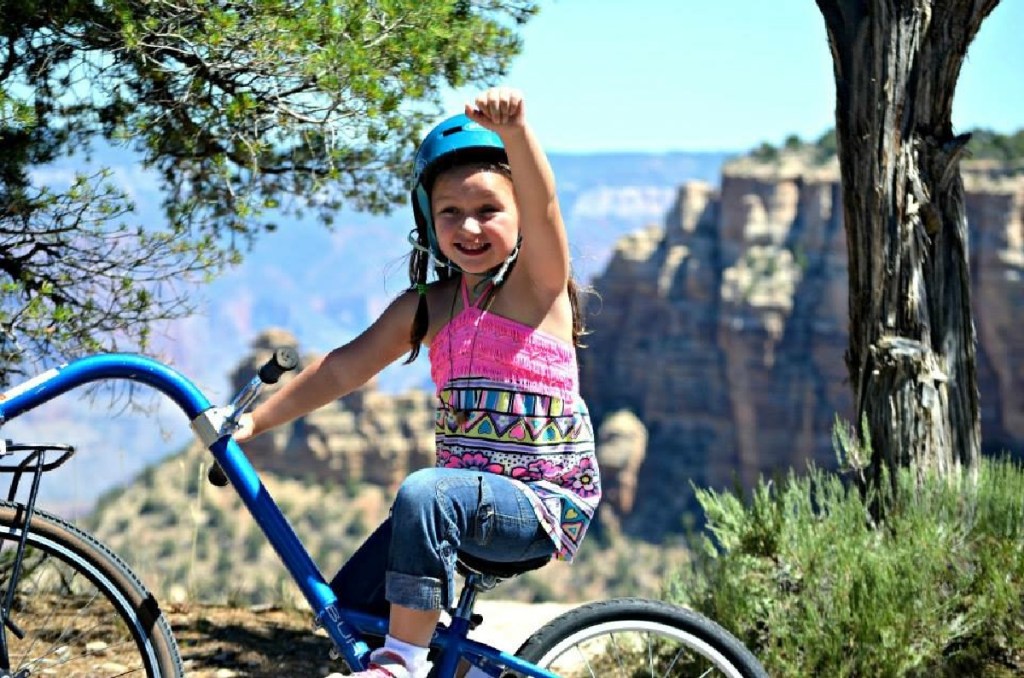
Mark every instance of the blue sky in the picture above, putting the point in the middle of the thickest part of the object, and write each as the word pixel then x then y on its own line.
pixel 660 75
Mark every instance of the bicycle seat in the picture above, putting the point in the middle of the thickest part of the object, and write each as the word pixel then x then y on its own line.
pixel 467 563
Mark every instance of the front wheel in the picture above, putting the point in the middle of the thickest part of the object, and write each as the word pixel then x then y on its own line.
pixel 76 609
pixel 634 637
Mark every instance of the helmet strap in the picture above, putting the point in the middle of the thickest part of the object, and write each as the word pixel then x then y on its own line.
pixel 415 242
pixel 423 205
pixel 498 276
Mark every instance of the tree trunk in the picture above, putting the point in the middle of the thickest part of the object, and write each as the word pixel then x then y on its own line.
pixel 911 355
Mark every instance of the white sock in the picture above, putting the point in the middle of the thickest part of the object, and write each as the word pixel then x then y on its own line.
pixel 414 656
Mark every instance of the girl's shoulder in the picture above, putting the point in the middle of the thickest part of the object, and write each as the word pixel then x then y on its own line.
pixel 443 303
pixel 441 293
pixel 548 310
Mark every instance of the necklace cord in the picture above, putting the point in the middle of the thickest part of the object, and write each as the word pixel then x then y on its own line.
pixel 461 413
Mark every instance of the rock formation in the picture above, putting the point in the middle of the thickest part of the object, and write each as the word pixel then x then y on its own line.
pixel 724 329
pixel 995 213
pixel 622 444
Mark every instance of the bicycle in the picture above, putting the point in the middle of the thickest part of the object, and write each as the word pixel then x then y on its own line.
pixel 50 571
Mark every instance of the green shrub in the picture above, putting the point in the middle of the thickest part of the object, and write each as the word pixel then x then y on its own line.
pixel 803 576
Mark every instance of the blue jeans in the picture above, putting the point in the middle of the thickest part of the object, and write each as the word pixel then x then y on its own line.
pixel 410 559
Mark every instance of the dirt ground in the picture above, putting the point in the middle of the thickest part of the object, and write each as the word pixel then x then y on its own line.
pixel 229 642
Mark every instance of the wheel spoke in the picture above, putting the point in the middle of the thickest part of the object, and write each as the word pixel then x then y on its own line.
pixel 84 623
pixel 675 659
pixel 35 570
pixel 650 654
pixel 618 655
pixel 65 588
pixel 586 661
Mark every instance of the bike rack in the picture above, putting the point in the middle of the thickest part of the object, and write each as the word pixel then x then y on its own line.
pixel 37 457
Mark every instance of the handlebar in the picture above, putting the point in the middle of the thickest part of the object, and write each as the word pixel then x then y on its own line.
pixel 283 360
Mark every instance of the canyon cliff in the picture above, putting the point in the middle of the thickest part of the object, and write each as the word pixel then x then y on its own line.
pixel 724 328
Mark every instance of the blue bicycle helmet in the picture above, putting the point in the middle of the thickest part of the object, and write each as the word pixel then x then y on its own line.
pixel 453 140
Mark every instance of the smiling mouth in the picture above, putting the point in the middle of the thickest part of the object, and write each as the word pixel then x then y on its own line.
pixel 472 250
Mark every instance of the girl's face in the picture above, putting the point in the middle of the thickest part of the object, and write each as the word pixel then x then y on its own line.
pixel 475 217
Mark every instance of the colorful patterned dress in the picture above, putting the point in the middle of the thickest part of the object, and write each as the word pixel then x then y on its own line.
pixel 509 404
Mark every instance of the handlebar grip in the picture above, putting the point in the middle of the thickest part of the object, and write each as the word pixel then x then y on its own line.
pixel 284 360
pixel 216 475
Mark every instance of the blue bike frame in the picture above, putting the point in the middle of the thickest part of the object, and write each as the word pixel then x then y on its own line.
pixel 343 626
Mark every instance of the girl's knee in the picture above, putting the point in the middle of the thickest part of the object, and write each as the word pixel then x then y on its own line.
pixel 416 484
pixel 418 492
pixel 428 490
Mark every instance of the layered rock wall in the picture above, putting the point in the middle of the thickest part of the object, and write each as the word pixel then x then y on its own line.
pixel 995 214
pixel 724 329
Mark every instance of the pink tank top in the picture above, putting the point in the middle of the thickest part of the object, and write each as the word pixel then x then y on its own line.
pixel 477 343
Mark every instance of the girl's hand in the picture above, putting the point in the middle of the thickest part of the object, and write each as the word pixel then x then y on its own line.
pixel 499 109
pixel 245 428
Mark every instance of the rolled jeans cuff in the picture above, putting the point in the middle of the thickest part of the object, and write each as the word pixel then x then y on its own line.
pixel 416 592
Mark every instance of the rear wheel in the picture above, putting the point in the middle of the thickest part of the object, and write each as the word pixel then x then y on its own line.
pixel 77 610
pixel 634 637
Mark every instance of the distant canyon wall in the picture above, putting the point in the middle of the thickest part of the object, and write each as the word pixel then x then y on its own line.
pixel 724 329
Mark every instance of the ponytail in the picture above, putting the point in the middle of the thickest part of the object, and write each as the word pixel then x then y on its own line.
pixel 419 265
pixel 579 329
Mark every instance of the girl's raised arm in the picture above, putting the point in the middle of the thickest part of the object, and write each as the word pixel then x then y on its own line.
pixel 544 251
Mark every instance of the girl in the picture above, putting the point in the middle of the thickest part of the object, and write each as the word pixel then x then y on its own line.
pixel 516 475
